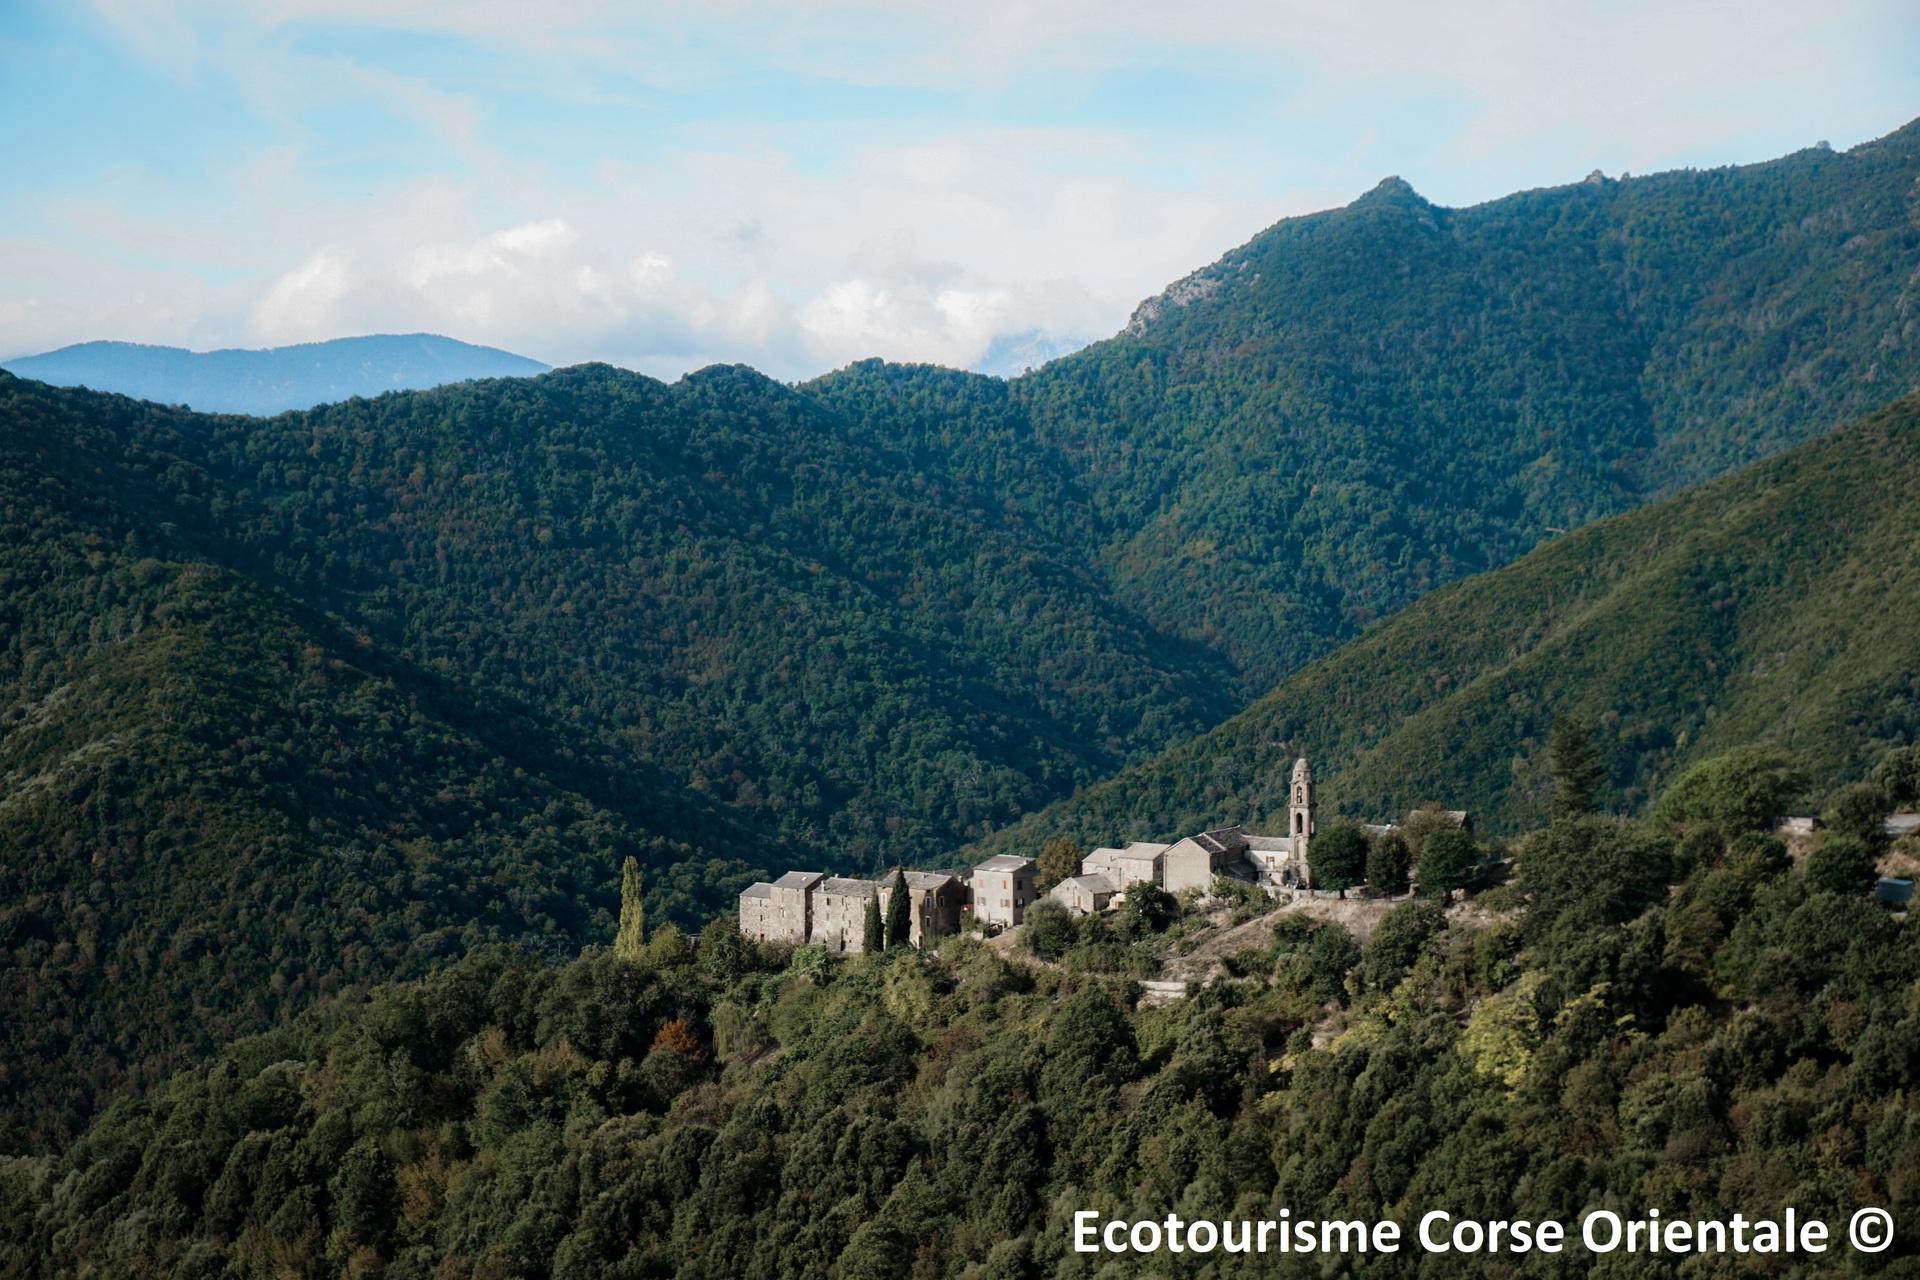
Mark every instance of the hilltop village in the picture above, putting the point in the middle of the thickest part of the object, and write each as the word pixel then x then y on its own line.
pixel 813 907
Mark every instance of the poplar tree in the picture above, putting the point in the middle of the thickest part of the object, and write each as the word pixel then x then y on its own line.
pixel 871 936
pixel 899 912
pixel 631 942
pixel 1059 860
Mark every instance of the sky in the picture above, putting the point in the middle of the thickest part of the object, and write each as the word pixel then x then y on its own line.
pixel 799 185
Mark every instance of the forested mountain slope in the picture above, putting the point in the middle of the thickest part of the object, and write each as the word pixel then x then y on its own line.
pixel 1776 604
pixel 216 804
pixel 1710 1035
pixel 732 625
pixel 857 655
pixel 1362 404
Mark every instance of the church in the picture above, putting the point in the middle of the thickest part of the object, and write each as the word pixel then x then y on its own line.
pixel 1271 862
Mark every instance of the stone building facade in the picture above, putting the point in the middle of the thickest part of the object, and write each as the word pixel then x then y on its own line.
pixel 935 900
pixel 1192 863
pixel 840 912
pixel 806 906
pixel 1085 894
pixel 1003 890
pixel 1138 861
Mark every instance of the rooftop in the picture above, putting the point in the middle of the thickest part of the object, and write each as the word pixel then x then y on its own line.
pixel 1005 862
pixel 847 885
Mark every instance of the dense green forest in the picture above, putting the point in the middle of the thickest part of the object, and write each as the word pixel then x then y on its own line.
pixel 218 804
pixel 1672 1016
pixel 289 705
pixel 1774 604
pixel 1357 406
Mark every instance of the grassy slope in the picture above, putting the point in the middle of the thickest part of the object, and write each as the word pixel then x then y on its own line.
pixel 1774 604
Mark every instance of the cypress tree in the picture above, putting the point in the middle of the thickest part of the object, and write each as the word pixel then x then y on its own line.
pixel 1577 772
pixel 631 942
pixel 871 936
pixel 899 912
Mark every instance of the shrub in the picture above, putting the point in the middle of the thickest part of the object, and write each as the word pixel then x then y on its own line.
pixel 1747 789
pixel 1048 929
pixel 1843 865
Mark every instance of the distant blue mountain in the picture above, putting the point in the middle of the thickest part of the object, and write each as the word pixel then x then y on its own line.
pixel 274 380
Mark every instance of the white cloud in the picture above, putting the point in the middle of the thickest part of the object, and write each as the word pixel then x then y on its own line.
pixel 305 303
pixel 1018 212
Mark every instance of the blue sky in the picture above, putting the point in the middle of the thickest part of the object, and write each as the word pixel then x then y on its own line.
pixel 799 185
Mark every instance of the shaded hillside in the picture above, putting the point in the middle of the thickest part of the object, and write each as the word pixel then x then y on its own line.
pixel 864 657
pixel 1362 404
pixel 1776 604
pixel 276 379
pixel 216 805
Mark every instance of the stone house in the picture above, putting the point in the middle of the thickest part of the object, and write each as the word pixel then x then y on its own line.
pixel 1192 863
pixel 1271 856
pixel 1085 894
pixel 1138 861
pixel 756 911
pixel 781 911
pixel 1003 890
pixel 806 906
pixel 840 912
pixel 934 899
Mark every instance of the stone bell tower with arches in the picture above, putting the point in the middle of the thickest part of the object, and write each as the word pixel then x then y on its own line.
pixel 1303 816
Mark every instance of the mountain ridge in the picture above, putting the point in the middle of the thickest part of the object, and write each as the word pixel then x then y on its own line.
pixel 876 618
pixel 270 380
pixel 1747 609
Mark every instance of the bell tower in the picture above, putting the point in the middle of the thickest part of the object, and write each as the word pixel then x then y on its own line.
pixel 1303 816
